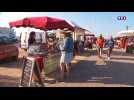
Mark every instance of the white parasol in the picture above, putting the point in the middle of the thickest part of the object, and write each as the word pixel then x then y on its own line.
pixel 128 33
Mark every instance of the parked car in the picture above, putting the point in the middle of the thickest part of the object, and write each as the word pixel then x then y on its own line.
pixel 8 49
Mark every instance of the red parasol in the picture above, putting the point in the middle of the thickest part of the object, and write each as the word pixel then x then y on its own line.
pixel 44 23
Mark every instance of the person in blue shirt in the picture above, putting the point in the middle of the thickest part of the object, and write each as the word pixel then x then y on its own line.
pixel 110 45
pixel 66 47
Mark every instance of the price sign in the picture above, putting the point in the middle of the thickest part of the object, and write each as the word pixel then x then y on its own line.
pixel 30 67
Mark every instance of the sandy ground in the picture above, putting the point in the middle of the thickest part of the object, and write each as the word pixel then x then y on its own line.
pixel 87 71
pixel 10 72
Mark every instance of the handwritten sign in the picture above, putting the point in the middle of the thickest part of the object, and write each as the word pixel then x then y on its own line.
pixel 28 65
pixel 30 68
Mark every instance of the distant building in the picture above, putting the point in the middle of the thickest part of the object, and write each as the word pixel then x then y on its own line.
pixel 79 32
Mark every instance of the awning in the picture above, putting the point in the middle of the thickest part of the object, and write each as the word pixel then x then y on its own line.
pixel 44 23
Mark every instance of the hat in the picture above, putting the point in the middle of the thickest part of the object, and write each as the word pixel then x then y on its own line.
pixel 66 30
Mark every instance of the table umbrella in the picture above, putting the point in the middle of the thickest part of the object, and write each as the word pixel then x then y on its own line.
pixel 44 23
pixel 128 33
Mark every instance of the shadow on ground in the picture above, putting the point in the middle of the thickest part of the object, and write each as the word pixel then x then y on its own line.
pixel 10 63
pixel 87 53
pixel 112 73
pixel 126 58
pixel 119 53
pixel 8 81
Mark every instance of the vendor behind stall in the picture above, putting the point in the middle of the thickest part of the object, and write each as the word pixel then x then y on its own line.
pixel 34 48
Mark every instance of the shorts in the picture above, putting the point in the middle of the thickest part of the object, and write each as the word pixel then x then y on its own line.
pixel 66 58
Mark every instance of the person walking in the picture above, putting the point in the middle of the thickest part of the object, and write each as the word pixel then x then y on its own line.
pixel 80 46
pixel 100 44
pixel 110 46
pixel 66 47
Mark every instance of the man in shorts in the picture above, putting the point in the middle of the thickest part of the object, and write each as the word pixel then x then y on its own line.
pixel 66 47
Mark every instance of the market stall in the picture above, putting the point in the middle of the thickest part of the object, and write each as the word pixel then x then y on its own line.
pixel 46 24
pixel 126 40
pixel 89 40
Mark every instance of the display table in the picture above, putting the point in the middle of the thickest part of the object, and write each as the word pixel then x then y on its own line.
pixel 130 49
pixel 52 62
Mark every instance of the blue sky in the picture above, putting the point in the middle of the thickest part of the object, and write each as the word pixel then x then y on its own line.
pixel 97 22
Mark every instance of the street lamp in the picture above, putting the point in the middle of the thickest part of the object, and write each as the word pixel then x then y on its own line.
pixel 128 27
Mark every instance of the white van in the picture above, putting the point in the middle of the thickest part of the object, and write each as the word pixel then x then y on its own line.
pixel 24 36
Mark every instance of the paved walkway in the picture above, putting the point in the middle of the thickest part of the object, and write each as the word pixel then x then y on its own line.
pixel 89 71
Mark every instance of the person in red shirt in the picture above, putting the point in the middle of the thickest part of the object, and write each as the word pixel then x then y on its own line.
pixel 100 44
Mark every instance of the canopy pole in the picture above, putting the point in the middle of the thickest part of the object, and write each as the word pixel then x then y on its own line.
pixel 46 37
